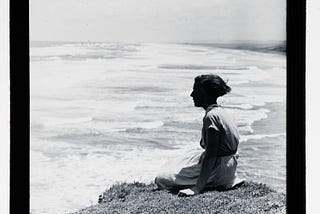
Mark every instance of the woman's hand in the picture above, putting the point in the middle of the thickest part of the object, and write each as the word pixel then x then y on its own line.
pixel 187 192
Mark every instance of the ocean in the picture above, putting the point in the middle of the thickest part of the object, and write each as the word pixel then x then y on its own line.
pixel 104 113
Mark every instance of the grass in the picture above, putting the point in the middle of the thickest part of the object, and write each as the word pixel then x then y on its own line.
pixel 125 198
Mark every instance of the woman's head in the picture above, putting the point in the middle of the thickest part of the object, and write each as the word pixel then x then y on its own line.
pixel 207 88
pixel 213 85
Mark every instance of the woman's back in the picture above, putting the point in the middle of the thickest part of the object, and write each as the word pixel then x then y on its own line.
pixel 219 119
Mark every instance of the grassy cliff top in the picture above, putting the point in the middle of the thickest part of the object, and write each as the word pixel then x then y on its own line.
pixel 251 197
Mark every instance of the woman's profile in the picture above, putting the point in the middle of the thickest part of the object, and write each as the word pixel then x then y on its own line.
pixel 215 167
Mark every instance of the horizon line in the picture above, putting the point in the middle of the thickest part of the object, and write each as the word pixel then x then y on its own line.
pixel 176 42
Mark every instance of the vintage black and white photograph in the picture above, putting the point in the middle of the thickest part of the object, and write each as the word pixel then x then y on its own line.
pixel 144 106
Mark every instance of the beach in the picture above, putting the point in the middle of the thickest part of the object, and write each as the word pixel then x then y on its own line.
pixel 106 113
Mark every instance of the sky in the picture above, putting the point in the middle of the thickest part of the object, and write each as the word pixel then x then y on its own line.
pixel 157 20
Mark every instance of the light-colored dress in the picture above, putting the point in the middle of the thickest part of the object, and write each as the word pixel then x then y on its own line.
pixel 183 172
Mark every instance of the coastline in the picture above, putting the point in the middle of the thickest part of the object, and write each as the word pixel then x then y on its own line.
pixel 250 197
pixel 273 135
pixel 274 124
pixel 277 115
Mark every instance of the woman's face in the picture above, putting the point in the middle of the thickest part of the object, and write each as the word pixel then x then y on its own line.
pixel 199 95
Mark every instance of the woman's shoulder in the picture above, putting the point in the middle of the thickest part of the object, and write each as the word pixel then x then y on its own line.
pixel 215 111
pixel 217 114
pixel 213 116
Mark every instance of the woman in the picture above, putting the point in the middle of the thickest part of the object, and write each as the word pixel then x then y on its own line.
pixel 216 166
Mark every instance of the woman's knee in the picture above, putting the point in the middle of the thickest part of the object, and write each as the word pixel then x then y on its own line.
pixel 159 180
pixel 162 182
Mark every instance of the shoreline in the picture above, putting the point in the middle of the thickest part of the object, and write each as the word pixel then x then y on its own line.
pixel 277 115
pixel 274 124
pixel 250 197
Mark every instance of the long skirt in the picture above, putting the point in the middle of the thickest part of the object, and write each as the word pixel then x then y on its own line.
pixel 183 172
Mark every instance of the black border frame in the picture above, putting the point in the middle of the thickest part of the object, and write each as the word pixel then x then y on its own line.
pixel 20 106
pixel 296 106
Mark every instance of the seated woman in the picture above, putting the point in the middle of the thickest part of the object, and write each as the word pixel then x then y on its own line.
pixel 216 166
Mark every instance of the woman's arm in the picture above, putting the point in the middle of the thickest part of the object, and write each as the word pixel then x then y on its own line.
pixel 209 159
pixel 208 163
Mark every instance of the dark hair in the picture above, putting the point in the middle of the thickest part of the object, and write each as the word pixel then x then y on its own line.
pixel 214 85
